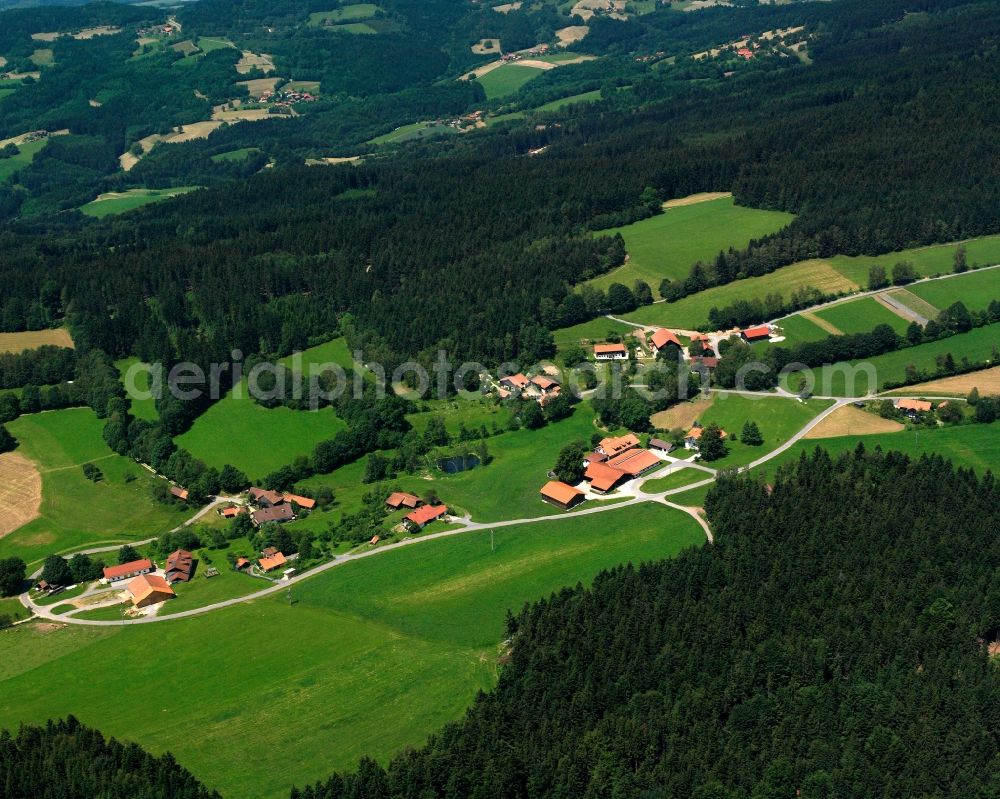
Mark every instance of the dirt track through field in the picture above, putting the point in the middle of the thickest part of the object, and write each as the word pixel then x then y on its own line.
pixel 832 329
pixel 694 199
pixel 851 421
pixel 20 492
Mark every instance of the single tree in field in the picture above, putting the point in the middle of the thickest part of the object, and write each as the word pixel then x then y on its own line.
pixel 961 263
pixel 750 434
pixel 127 554
pixel 973 397
pixel 877 278
pixel 711 445
pixel 569 464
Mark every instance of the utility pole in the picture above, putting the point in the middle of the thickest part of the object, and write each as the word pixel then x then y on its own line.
pixel 492 545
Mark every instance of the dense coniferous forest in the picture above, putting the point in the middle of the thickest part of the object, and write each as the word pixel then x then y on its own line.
pixel 831 643
pixel 71 761
pixel 475 239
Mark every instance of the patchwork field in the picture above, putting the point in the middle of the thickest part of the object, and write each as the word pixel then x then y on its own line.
pixel 976 289
pixel 849 420
pixel 118 202
pixel 861 316
pixel 668 245
pixel 832 380
pixel 32 339
pixel 507 79
pixel 692 312
pixel 426 620
pixel 75 511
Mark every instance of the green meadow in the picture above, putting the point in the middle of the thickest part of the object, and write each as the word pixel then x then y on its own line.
pixel 799 328
pixel 862 315
pixel 343 14
pixel 975 289
pixel 242 154
pixel 937 259
pixel 140 406
pixel 676 479
pixel 120 202
pixel 778 418
pixel 76 512
pixel 562 102
pixel 592 330
pixel 667 245
pixel 25 155
pixel 832 379
pixel 692 311
pixel 416 130
pixel 972 446
pixel 506 80
pixel 371 657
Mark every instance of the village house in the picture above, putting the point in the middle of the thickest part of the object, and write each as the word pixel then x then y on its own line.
pixel 242 564
pixel 180 565
pixel 263 498
pixel 400 499
pixel 149 589
pixel 179 493
pixel 610 352
pixel 306 503
pixel 561 495
pixel 514 383
pixel 126 570
pixel 758 333
pixel 663 338
pixel 602 477
pixel 272 561
pixel 272 513
pixel 545 384
pixel 913 408
pixel 231 512
pixel 661 445
pixel 700 345
pixel 693 436
pixel 421 517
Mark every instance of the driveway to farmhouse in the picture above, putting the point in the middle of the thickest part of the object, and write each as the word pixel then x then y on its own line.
pixel 634 489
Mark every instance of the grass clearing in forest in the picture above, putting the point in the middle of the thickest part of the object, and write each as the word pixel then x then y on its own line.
pixel 668 245
pixel 118 202
pixel 386 650
pixel 25 155
pixel 507 80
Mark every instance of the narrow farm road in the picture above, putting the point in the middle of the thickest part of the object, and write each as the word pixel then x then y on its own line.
pixel 468 526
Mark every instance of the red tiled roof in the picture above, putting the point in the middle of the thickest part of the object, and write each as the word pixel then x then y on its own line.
pixel 560 492
pixel 262 493
pixel 144 585
pixel 518 380
pixel 229 513
pixel 602 477
pixel 609 349
pixel 241 562
pixel 760 331
pixel 618 444
pixel 914 405
pixel 132 567
pixel 427 513
pixel 543 382
pixel 400 499
pixel 271 563
pixel 303 502
pixel 180 493
pixel 695 433
pixel 662 337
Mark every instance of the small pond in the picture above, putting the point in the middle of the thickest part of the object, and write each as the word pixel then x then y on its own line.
pixel 458 463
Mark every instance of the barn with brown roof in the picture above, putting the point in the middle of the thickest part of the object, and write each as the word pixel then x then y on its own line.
pixel 125 570
pixel 179 567
pixel 401 499
pixel 149 589
pixel 561 494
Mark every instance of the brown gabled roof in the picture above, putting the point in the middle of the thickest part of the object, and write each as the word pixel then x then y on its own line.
pixel 145 584
pixel 609 349
pixel 271 563
pixel 595 457
pixel 180 493
pixel 400 499
pixel 277 513
pixel 635 461
pixel 760 331
pixel 544 383
pixel 132 567
pixel 615 445
pixel 273 497
pixel 914 405
pixel 426 514
pixel 303 502
pixel 229 513
pixel 560 492
pixel 662 337
pixel 241 562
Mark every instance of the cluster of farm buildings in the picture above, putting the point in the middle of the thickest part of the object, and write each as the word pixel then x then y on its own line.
pixel 700 349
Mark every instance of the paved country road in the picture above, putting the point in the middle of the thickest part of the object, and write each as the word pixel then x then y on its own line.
pixel 634 491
